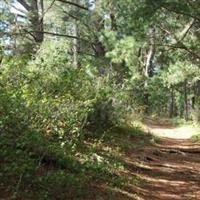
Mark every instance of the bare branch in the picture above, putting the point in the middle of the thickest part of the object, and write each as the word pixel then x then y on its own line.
pixel 185 31
pixel 59 34
pixel 15 7
pixel 24 4
pixel 181 13
pixel 74 4
pixel 50 6
pixel 183 47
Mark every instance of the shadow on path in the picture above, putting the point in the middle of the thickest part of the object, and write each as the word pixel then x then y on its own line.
pixel 170 169
pixel 167 170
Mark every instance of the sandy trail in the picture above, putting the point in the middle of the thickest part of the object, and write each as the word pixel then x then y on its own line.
pixel 164 129
pixel 176 133
pixel 170 169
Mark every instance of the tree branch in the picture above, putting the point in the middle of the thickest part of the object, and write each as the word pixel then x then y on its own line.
pixel 181 12
pixel 180 47
pixel 78 19
pixel 24 4
pixel 185 31
pixel 16 8
pixel 59 34
pixel 74 4
pixel 50 6
pixel 45 32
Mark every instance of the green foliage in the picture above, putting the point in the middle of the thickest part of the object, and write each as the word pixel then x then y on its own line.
pixel 158 95
pixel 69 101
pixel 196 137
pixel 124 52
pixel 179 72
pixel 48 111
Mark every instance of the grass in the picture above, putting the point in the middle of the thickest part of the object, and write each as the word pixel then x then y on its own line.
pixel 196 137
pixel 32 167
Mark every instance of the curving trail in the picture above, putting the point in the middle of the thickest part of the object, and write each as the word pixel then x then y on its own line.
pixel 170 169
pixel 165 129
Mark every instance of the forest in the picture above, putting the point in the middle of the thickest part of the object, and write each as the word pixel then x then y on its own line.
pixel 99 99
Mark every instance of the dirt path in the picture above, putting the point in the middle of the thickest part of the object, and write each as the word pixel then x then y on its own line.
pixel 165 129
pixel 170 169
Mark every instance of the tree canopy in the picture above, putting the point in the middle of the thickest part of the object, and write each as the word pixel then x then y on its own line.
pixel 73 70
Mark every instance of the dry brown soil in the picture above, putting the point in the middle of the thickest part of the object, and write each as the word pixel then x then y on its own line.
pixel 166 170
pixel 170 169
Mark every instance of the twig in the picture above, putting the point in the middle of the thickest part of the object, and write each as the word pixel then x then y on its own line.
pixel 17 186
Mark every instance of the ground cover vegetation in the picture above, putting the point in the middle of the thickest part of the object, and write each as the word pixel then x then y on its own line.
pixel 76 77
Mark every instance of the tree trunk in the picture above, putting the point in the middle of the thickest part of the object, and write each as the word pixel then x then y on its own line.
pixel 148 70
pixel 97 45
pixel 197 100
pixel 171 111
pixel 35 10
pixel 36 18
pixel 113 22
pixel 150 56
pixel 75 41
pixel 186 101
pixel 149 65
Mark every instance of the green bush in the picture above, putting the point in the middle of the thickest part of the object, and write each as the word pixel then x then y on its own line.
pixel 48 95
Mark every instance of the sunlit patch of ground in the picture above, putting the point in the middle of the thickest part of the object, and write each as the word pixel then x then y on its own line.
pixel 165 129
pixel 177 133
pixel 168 169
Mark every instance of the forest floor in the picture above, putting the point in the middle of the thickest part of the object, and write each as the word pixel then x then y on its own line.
pixel 169 169
pixel 164 128
pixel 137 166
pixel 165 167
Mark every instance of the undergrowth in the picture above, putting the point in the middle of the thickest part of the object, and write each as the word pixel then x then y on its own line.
pixel 34 167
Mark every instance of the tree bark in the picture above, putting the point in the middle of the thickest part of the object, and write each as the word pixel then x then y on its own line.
pixel 36 20
pixel 197 100
pixel 75 41
pixel 150 55
pixel 186 101
pixel 35 10
pixel 171 111
pixel 148 65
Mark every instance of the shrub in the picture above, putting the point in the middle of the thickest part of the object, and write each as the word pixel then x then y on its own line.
pixel 49 96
